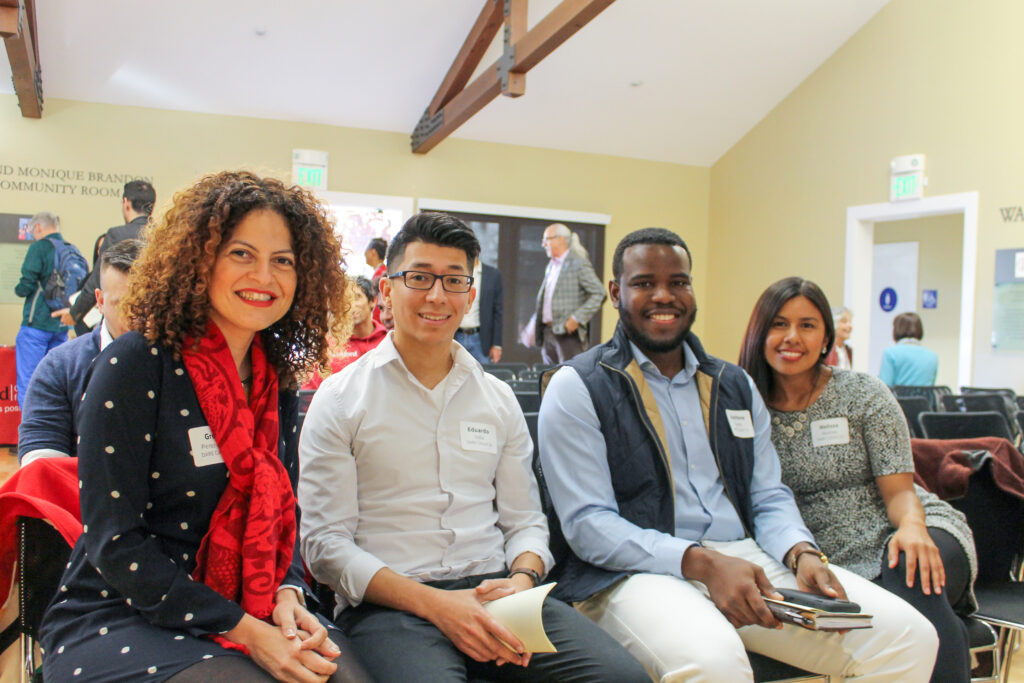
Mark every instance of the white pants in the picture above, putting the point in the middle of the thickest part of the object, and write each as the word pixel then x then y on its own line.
pixel 677 633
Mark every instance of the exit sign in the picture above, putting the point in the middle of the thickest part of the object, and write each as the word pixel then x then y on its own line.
pixel 309 168
pixel 906 179
pixel 907 186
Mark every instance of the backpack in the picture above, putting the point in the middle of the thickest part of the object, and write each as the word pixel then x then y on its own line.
pixel 69 271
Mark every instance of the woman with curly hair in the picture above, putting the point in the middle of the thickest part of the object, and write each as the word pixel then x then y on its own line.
pixel 187 567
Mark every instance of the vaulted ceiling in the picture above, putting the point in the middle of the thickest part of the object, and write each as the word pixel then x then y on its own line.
pixel 669 80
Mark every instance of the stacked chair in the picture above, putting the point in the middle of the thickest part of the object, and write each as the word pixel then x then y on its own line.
pixel 934 412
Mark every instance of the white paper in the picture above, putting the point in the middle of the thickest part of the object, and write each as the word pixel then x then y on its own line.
pixel 834 431
pixel 521 614
pixel 204 447
pixel 478 436
pixel 741 424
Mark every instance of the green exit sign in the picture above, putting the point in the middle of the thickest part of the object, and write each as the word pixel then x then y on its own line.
pixel 906 186
pixel 310 176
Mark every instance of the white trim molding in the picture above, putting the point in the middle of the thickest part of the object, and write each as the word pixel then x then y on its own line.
pixel 860 236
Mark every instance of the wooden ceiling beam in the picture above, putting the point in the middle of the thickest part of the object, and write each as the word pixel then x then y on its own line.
pixel 523 51
pixel 18 28
pixel 468 59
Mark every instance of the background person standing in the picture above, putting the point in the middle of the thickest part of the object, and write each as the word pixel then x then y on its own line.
pixel 39 332
pixel 569 297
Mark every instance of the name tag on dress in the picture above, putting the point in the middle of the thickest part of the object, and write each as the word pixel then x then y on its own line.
pixel 741 424
pixel 834 431
pixel 204 448
pixel 478 436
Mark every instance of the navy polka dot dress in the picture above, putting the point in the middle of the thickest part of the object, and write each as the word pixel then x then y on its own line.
pixel 127 608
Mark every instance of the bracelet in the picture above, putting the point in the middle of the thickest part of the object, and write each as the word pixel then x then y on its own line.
pixel 534 576
pixel 795 559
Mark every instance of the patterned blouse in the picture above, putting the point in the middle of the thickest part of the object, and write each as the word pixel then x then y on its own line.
pixel 834 482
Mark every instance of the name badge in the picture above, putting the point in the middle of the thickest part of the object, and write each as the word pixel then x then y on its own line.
pixel 834 431
pixel 204 448
pixel 478 436
pixel 741 424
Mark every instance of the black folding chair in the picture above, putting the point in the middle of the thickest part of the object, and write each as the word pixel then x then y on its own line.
pixel 931 393
pixel 978 402
pixel 500 373
pixel 42 557
pixel 529 401
pixel 964 425
pixel 996 518
pixel 516 368
pixel 1008 393
pixel 523 385
pixel 913 406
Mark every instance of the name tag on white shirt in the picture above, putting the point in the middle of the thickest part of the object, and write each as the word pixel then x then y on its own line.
pixel 834 431
pixel 204 448
pixel 741 424
pixel 478 436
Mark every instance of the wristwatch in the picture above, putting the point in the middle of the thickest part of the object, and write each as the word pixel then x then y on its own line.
pixel 534 576
pixel 795 559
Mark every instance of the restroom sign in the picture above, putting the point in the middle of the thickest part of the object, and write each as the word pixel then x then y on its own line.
pixel 929 298
pixel 887 300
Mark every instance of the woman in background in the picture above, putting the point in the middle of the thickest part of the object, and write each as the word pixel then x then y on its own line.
pixel 908 363
pixel 845 452
pixel 841 355
pixel 187 568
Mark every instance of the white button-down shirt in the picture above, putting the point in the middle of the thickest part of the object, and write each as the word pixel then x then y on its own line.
pixel 434 484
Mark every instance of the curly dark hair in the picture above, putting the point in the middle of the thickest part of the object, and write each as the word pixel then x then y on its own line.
pixel 168 298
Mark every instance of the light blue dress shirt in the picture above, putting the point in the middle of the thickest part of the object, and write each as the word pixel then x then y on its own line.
pixel 574 459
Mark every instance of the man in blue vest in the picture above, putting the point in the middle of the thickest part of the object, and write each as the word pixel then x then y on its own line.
pixel 659 462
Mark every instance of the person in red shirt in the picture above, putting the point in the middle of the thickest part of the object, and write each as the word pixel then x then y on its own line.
pixel 366 332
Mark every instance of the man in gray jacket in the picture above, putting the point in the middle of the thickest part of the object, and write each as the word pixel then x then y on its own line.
pixel 569 296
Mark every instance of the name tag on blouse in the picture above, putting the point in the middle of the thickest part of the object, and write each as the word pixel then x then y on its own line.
pixel 741 424
pixel 204 448
pixel 834 431
pixel 478 436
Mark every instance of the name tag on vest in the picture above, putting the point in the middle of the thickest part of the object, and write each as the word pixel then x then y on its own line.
pixel 204 447
pixel 834 431
pixel 741 424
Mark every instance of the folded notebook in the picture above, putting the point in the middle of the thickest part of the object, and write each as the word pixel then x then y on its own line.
pixel 817 612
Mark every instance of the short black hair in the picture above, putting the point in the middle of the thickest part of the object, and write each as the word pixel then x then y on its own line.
pixel 366 287
pixel 646 236
pixel 121 256
pixel 379 245
pixel 433 228
pixel 141 195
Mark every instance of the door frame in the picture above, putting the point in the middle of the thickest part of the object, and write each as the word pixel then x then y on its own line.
pixel 860 238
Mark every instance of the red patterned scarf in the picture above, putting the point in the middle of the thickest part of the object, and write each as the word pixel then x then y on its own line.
pixel 248 548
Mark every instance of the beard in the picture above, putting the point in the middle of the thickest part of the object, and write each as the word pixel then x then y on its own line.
pixel 649 345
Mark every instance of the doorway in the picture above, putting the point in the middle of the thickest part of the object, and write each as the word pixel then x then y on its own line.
pixel 860 239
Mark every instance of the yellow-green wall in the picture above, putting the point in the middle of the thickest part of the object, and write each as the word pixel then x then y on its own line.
pixel 939 77
pixel 175 147
pixel 939 265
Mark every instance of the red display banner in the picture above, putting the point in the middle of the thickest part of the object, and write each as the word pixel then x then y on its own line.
pixel 10 414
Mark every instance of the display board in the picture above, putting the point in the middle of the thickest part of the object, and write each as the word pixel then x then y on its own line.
pixel 1008 300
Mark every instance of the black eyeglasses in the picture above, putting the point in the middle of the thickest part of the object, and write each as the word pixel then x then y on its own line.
pixel 418 279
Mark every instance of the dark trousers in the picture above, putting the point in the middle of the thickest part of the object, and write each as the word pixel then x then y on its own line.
pixel 558 348
pixel 398 646
pixel 953 663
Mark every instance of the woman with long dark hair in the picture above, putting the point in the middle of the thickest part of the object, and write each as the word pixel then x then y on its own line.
pixel 187 568
pixel 845 452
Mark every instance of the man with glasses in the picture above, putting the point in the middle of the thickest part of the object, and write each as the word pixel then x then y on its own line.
pixel 569 296
pixel 418 499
